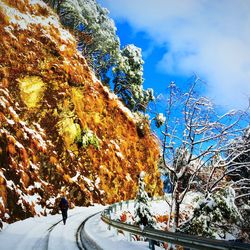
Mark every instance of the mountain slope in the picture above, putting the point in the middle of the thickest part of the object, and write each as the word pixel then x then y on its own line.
pixel 61 130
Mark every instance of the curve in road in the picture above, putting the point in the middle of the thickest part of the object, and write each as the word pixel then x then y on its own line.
pixel 84 242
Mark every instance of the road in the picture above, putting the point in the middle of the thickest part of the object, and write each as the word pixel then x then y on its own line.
pixel 84 241
pixel 46 233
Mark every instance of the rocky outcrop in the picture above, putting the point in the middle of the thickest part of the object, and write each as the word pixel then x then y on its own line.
pixel 61 130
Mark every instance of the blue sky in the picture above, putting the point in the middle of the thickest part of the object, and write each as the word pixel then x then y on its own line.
pixel 178 38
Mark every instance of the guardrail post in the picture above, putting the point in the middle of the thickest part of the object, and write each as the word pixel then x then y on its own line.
pixel 129 236
pixel 109 215
pixel 127 202
pixel 151 244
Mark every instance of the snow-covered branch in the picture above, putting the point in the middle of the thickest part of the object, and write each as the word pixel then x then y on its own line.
pixel 197 145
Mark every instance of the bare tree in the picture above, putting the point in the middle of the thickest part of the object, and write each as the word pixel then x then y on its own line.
pixel 238 156
pixel 195 143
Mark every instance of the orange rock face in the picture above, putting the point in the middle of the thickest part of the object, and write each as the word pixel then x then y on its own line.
pixel 60 129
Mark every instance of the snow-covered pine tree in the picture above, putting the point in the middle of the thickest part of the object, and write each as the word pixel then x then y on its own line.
pixel 128 79
pixel 159 120
pixel 95 32
pixel 215 216
pixel 239 154
pixel 99 44
pixel 143 215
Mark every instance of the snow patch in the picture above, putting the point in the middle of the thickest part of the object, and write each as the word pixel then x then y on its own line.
pixel 89 182
pixel 10 184
pixel 128 177
pixel 97 181
pixel 24 21
pixel 75 177
pixel 121 106
pixel 3 102
pixel 1 202
pixel 39 2
pixel 9 121
pixel 119 155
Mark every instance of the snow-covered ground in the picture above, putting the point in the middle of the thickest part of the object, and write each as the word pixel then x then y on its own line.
pixel 108 239
pixel 38 233
pixel 41 233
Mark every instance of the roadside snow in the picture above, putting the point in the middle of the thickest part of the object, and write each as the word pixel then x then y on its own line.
pixel 34 233
pixel 38 233
pixel 41 232
pixel 109 239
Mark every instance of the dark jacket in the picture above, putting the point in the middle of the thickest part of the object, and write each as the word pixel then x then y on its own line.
pixel 64 205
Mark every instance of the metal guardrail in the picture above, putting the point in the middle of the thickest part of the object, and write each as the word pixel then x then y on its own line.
pixel 185 240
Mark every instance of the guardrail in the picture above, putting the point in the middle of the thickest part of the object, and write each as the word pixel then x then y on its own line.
pixel 188 241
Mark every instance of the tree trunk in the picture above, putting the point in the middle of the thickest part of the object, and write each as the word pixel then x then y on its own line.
pixel 59 6
pixel 170 211
pixel 177 214
pixel 176 206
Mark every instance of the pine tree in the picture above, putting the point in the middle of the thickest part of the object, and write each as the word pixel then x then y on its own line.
pixel 215 216
pixel 95 31
pixel 143 215
pixel 128 79
pixel 99 44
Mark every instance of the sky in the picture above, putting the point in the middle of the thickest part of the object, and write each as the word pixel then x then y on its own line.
pixel 179 38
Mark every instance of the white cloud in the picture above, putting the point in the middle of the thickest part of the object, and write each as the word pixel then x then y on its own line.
pixel 209 37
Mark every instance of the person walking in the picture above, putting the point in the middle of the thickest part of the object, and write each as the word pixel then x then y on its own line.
pixel 64 205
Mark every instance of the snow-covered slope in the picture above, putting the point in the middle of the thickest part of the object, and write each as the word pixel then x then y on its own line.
pixel 60 129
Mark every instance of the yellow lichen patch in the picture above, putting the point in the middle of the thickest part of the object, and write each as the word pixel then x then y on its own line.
pixel 77 95
pixel 11 149
pixel 59 169
pixel 67 178
pixel 53 160
pixel 70 131
pixel 24 157
pixel 31 89
pixel 3 187
pixel 96 118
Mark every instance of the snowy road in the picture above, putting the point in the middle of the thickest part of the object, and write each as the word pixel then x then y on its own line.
pixel 84 241
pixel 46 233
pixel 49 233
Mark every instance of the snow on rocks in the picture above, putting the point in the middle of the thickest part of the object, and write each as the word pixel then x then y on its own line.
pixel 121 106
pixel 26 20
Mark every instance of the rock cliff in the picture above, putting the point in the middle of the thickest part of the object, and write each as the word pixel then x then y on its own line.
pixel 61 130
